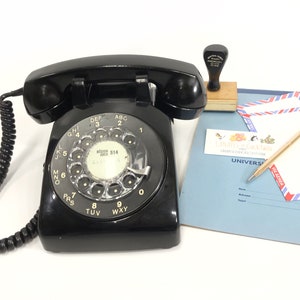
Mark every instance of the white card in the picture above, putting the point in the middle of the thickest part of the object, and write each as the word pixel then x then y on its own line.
pixel 240 143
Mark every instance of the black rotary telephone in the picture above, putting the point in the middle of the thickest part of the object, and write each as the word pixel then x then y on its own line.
pixel 109 175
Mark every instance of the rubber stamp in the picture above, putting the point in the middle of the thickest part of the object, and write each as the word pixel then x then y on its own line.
pixel 220 95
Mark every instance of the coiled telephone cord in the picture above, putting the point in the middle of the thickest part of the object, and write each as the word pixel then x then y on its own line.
pixel 29 232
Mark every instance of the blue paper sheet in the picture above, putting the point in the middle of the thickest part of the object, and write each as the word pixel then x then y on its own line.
pixel 215 194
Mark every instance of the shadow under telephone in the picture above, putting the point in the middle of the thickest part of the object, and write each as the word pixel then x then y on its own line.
pixel 109 176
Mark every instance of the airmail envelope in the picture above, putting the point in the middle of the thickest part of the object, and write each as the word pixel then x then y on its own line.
pixel 281 115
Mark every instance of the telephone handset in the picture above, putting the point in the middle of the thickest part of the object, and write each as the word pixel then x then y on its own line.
pixel 109 175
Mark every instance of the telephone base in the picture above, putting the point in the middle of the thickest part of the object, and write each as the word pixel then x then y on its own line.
pixel 114 242
pixel 61 231
pixel 146 218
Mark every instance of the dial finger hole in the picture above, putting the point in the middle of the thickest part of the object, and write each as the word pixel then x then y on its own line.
pixel 114 189
pixel 83 183
pixel 129 181
pixel 97 190
pixel 116 133
pixel 77 155
pixel 101 134
pixel 130 140
pixel 86 143
pixel 76 170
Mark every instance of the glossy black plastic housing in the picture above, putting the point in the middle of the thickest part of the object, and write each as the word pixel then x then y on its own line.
pixel 152 89
pixel 180 92
pixel 215 57
pixel 155 225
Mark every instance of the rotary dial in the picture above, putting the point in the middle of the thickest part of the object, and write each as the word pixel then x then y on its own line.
pixel 107 165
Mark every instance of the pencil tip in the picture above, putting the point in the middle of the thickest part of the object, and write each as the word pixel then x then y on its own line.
pixel 250 178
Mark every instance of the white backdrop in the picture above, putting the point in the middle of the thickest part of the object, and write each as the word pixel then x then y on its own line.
pixel 262 38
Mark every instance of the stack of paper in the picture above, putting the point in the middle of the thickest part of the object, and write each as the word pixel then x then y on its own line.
pixel 281 116
pixel 215 193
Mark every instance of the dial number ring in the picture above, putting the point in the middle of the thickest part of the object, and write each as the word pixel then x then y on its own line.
pixel 107 163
